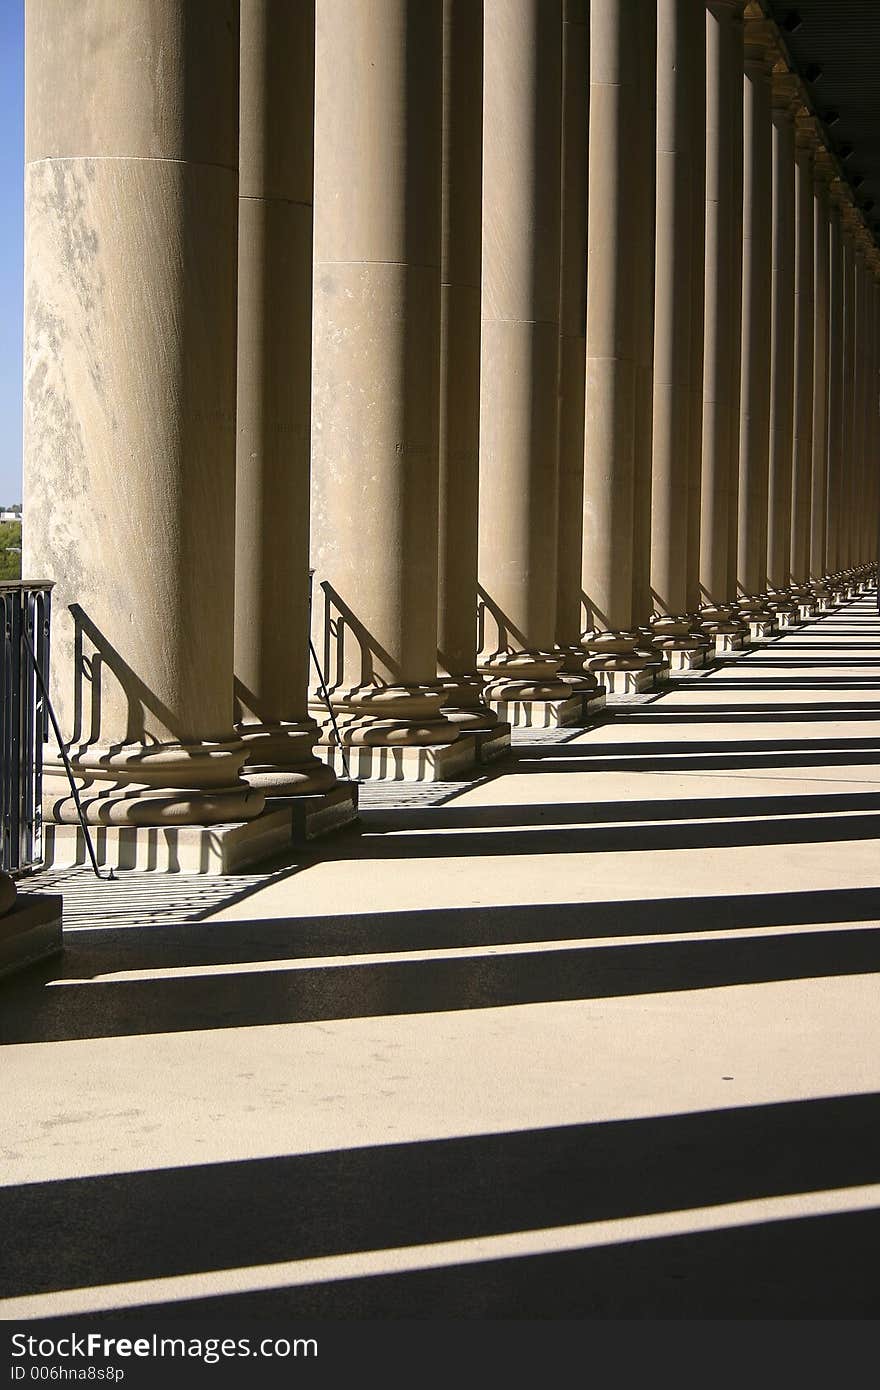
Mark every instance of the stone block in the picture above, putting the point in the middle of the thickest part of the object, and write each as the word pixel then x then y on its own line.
pixel 30 931
pixel 432 762
pixel 192 849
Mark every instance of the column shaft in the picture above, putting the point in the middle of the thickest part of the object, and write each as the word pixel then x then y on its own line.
pixel 845 480
pixel 804 335
pixel 459 431
pixel 610 366
pixel 782 324
pixel 697 161
pixel 641 228
pixel 835 384
pixel 572 318
pixel 723 210
pixel 376 353
pixel 520 347
pixel 754 431
pixel 130 351
pixel 274 389
pixel 735 79
pixel 676 26
pixel 820 384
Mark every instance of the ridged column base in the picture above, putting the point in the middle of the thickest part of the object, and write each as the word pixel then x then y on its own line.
pixel 463 703
pixel 152 785
pixel 280 759
pixel 522 677
pixel 393 716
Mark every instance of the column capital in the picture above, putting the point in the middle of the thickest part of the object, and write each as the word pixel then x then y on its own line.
pixel 761 49
pixel 786 90
pixel 824 170
pixel 807 136
pixel 723 8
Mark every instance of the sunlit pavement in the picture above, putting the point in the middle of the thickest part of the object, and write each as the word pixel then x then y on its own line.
pixel 595 1035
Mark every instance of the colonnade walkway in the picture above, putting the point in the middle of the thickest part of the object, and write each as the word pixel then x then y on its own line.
pixel 596 1036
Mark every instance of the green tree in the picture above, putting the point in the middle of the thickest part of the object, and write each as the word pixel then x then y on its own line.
pixel 10 550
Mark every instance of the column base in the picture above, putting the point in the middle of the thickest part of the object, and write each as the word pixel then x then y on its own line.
pixel 762 629
pixel 30 931
pixel 685 658
pixel 545 714
pixel 281 761
pixel 723 643
pixel 427 762
pixel 168 849
pixel 629 682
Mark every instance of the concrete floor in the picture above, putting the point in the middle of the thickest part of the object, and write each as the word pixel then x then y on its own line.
pixel 594 1036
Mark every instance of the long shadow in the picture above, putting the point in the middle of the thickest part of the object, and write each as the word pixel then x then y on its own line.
pixel 742 746
pixel 105 950
pixel 810 1268
pixel 581 813
pixel 225 1216
pixel 580 759
pixel 603 839
pixel 126 1008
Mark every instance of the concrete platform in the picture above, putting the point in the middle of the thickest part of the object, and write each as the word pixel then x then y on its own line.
pixel 628 682
pixel 30 931
pixel 216 849
pixel 428 763
pixel 541 714
pixel 596 1031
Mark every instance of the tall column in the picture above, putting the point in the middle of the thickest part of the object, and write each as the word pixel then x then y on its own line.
pixel 376 352
pixel 860 362
pixel 818 553
pixel 737 60
pixel 754 425
pixel 804 333
pixel 520 330
pixel 680 41
pixel 130 347
pixel 641 228
pixel 274 387
pixel 782 324
pixel 721 327
pixel 616 113
pixel 697 138
pixel 459 433
pixel 835 377
pixel 849 222
pixel 572 327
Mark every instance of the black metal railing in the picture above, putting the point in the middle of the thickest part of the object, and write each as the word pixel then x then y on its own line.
pixel 24 728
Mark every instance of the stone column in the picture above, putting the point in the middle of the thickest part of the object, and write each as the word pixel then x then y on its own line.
pixel 522 78
pixel 697 138
pixel 680 40
pixel 835 378
pixel 782 323
pixel 804 332
pixel 459 432
pixel 643 195
pixel 849 223
pixel 616 113
pixel 274 387
pixel 376 357
pixel 754 424
pixel 721 314
pixel 130 349
pixel 818 566
pixel 858 488
pixel 572 344
pixel 737 59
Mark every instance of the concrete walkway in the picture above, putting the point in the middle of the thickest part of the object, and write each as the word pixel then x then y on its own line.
pixel 595 1036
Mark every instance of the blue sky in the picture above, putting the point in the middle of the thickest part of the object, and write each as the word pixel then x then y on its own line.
pixel 11 220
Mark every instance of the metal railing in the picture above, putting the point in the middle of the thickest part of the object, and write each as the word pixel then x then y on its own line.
pixel 24 728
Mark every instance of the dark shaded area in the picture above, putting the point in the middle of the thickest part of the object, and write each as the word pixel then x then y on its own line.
pixel 121 1008
pixel 173 1221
